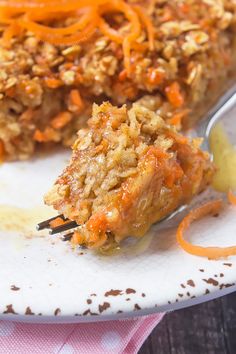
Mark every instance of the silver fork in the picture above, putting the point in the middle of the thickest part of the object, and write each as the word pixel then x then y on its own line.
pixel 223 111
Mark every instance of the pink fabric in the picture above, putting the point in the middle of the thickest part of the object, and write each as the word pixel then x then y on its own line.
pixel 110 337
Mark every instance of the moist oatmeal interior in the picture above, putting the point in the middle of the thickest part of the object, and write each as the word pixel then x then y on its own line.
pixel 193 58
pixel 128 170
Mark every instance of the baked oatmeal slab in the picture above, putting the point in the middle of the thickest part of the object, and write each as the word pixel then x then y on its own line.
pixel 47 88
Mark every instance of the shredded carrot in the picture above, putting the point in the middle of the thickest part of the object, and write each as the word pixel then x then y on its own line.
pixel 89 17
pixel 44 136
pixel 167 15
pixel 76 100
pixel 212 207
pixel 155 76
pixel 110 32
pixel 9 33
pixel 52 83
pixel 148 24
pixel 176 119
pixel 174 94
pixel 56 222
pixel 231 197
pixel 157 152
pixel 184 8
pixel 61 120
pixel 178 138
pixel 122 75
pixel 78 238
pixel 97 223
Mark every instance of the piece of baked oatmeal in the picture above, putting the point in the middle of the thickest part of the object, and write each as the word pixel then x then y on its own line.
pixel 128 170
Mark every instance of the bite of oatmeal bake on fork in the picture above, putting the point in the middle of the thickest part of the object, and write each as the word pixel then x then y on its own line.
pixel 128 170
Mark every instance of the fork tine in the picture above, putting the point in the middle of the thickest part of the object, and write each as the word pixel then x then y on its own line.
pixel 67 237
pixel 63 227
pixel 46 223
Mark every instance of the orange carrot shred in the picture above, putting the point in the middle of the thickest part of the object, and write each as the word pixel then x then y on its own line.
pixel 44 136
pixel 61 120
pixel 122 75
pixel 174 94
pixel 155 76
pixel 176 119
pixel 231 197
pixel 76 99
pixel 56 222
pixel 149 26
pixel 52 83
pixel 212 207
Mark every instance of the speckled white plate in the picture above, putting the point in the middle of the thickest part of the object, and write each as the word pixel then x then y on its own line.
pixel 43 280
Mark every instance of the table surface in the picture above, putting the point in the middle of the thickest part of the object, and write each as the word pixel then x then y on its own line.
pixel 208 328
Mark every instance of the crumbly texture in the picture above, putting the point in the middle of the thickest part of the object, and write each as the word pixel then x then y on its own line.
pixel 194 50
pixel 128 170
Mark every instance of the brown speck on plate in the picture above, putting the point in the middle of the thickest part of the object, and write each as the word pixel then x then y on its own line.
pixel 113 292
pixel 226 285
pixel 57 312
pixel 89 301
pixel 137 307
pixel 88 312
pixel 9 310
pixel 211 281
pixel 190 282
pixel 28 311
pixel 104 306
pixel 15 288
pixel 130 291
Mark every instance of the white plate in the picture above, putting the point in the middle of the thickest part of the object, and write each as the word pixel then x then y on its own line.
pixel 43 279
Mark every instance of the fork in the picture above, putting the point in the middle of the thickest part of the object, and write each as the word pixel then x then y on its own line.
pixel 219 112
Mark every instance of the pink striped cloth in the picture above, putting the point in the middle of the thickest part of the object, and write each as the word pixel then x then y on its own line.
pixel 110 337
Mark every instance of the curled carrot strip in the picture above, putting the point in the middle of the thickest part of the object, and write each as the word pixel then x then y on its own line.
pixel 47 6
pixel 89 17
pixel 42 29
pixel 231 197
pixel 110 32
pixel 212 207
pixel 148 23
